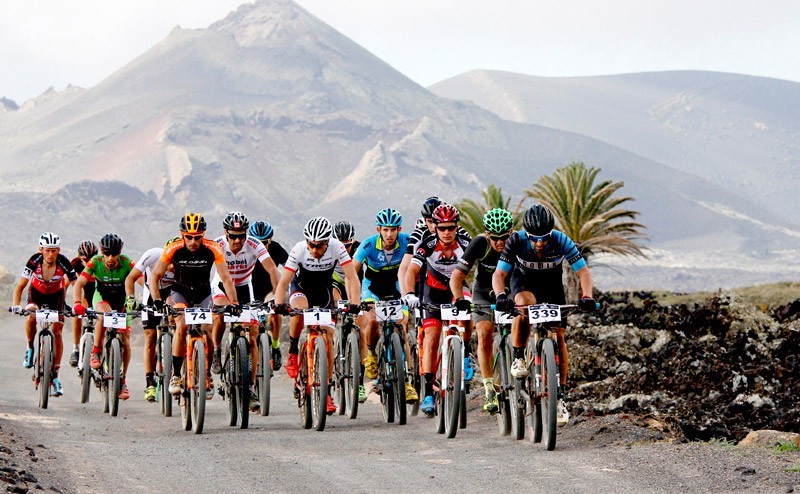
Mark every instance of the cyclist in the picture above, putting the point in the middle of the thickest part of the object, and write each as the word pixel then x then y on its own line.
pixel 536 255
pixel 307 280
pixel 242 253
pixel 263 286
pixel 440 253
pixel 381 254
pixel 345 232
pixel 484 251
pixel 108 270
pixel 192 257
pixel 140 274
pixel 49 273
pixel 86 250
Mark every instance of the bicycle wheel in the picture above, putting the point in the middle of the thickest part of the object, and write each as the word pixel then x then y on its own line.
pixel 228 378
pixel 104 378
pixel 439 403
pixel 352 375
pixel 453 390
pixel 319 384
pixel 198 391
pixel 502 370
pixel 114 377
pixel 462 414
pixel 387 394
pixel 413 371
pixel 183 398
pixel 302 387
pixel 86 366
pixel 549 394
pixel 398 378
pixel 243 381
pixel 166 373
pixel 45 358
pixel 339 371
pixel 264 372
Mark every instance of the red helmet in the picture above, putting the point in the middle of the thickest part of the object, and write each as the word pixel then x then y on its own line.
pixel 445 213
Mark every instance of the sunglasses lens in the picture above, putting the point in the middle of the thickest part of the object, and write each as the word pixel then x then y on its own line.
pixel 237 236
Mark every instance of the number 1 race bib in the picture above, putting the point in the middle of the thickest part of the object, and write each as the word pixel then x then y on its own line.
pixel 313 317
pixel 543 313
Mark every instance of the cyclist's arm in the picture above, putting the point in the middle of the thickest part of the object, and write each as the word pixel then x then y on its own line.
pixel 402 274
pixel 155 279
pixel 227 281
pixel 130 281
pixel 499 278
pixel 271 269
pixel 21 284
pixel 283 286
pixel 351 283
pixel 585 277
pixel 410 277
pixel 77 290
pixel 457 282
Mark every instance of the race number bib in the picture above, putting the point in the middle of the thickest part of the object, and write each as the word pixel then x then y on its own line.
pixel 543 313
pixel 503 317
pixel 116 320
pixel 313 317
pixel 449 312
pixel 389 310
pixel 46 316
pixel 245 317
pixel 197 315
pixel 342 304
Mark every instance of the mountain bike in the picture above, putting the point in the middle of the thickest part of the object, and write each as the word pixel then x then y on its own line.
pixel 414 361
pixel 163 370
pixel 109 375
pixel 391 360
pixel 236 366
pixel 85 353
pixel 194 373
pixel 347 364
pixel 451 395
pixel 311 386
pixel 43 359
pixel 264 370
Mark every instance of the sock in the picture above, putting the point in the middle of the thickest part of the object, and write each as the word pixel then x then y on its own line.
pixel 488 386
pixel 177 363
pixel 150 379
pixel 519 352
pixel 429 383
pixel 74 348
pixel 293 345
pixel 96 349
pixel 276 344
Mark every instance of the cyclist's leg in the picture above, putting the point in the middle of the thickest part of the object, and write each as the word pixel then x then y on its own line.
pixel 58 346
pixel 329 332
pixel 100 330
pixel 275 322
pixel 218 322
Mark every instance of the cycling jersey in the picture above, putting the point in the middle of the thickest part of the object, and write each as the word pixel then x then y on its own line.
pixel 147 263
pixel 110 282
pixel 338 272
pixel 241 264
pixel 88 288
pixel 309 271
pixel 540 274
pixel 34 271
pixel 440 265
pixel 193 269
pixel 382 265
pixel 480 252
pixel 262 284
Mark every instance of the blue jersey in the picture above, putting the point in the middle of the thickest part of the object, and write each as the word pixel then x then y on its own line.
pixel 382 265
pixel 521 254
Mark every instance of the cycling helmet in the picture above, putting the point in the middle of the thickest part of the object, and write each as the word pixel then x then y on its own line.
pixel 538 220
pixel 261 230
pixel 317 229
pixel 235 221
pixel 110 244
pixel 173 239
pixel 420 224
pixel 87 249
pixel 498 220
pixel 49 240
pixel 429 205
pixel 193 223
pixel 389 217
pixel 344 230
pixel 445 213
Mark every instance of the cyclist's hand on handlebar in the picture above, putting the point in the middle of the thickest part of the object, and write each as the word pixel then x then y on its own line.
pixel 130 304
pixel 234 309
pixel 411 300
pixel 463 304
pixel 158 305
pixel 587 304
pixel 504 304
pixel 15 309
pixel 282 309
pixel 79 309
pixel 353 308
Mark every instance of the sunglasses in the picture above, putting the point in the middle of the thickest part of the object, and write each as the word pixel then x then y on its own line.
pixel 109 253
pixel 450 228
pixel 316 245
pixel 499 238
pixel 236 236
pixel 193 237
pixel 539 238
pixel 347 244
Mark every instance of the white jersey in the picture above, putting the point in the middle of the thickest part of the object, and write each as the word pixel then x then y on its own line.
pixel 241 264
pixel 147 263
pixel 309 270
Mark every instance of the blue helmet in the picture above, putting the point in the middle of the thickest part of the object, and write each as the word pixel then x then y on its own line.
pixel 389 217
pixel 261 230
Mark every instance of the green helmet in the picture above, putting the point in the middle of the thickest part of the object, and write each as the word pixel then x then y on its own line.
pixel 498 220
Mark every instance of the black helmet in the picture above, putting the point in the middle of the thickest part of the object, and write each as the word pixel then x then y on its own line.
pixel 235 221
pixel 111 244
pixel 87 248
pixel 429 205
pixel 538 220
pixel 344 230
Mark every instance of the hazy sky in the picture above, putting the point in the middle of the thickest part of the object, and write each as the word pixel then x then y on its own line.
pixel 47 43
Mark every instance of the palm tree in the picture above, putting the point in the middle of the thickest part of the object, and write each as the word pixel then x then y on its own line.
pixel 589 213
pixel 472 212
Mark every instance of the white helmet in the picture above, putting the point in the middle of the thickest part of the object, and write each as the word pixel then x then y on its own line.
pixel 318 229
pixel 49 240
